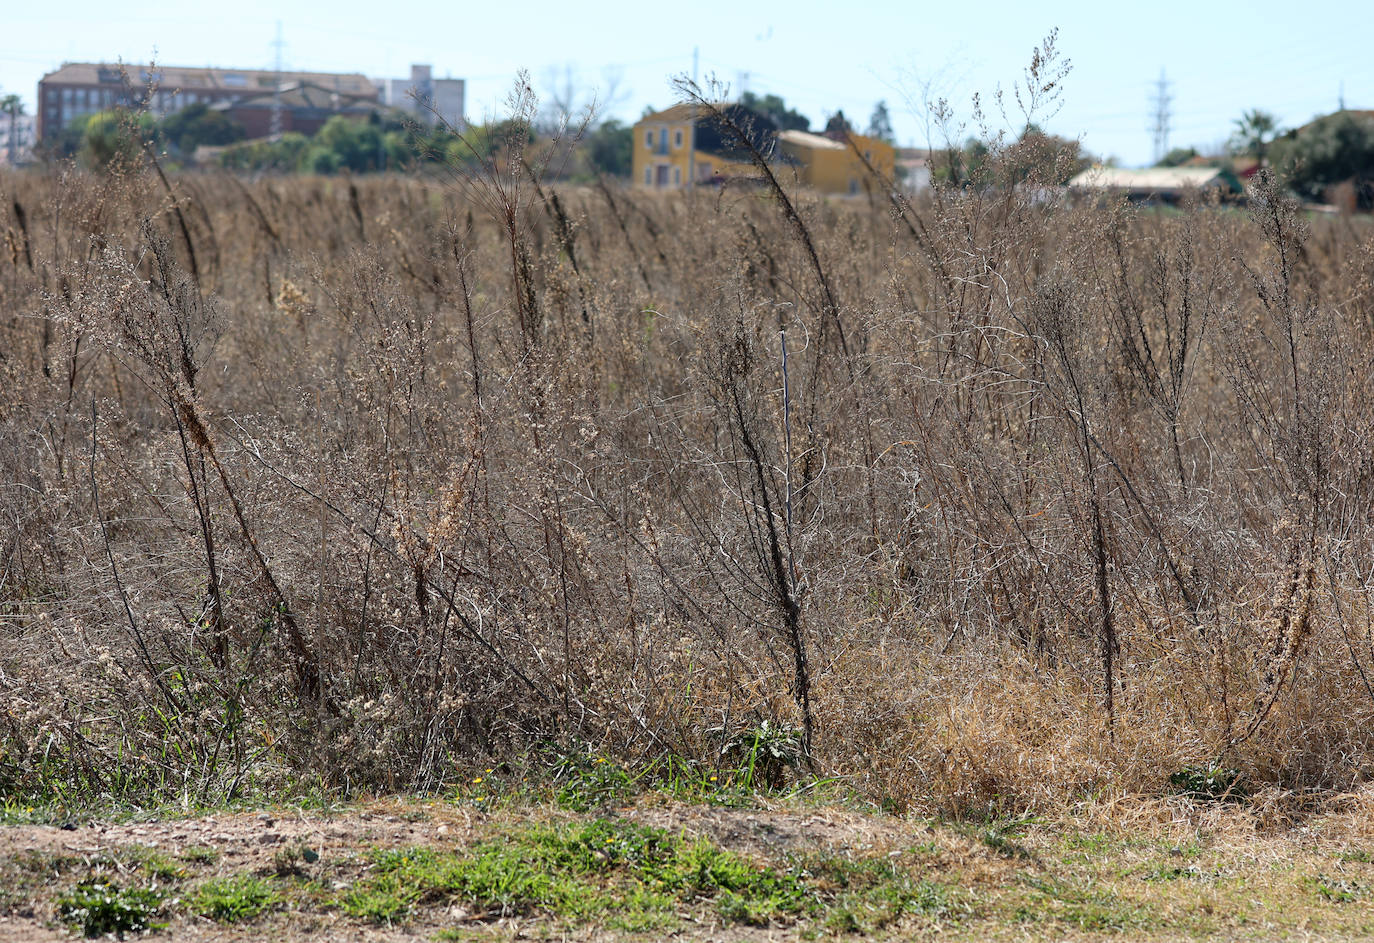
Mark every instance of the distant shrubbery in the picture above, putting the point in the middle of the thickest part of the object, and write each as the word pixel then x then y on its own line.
pixel 1332 150
pixel 359 146
pixel 103 139
pixel 975 165
pixel 109 138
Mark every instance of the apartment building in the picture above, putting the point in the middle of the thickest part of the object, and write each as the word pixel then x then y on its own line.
pixel 78 89
pixel 422 96
pixel 16 138
pixel 301 107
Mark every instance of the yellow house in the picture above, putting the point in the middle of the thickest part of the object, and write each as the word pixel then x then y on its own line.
pixel 832 166
pixel 688 142
pixel 664 157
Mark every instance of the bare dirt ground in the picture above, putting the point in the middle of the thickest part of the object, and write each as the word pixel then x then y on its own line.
pixel 239 843
pixel 1214 875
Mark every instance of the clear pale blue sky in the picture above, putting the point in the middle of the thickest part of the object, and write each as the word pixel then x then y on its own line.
pixel 1221 57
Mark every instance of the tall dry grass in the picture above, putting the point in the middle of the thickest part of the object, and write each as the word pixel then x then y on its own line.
pixel 411 474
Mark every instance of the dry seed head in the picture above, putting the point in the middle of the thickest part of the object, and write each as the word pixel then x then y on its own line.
pixel 292 300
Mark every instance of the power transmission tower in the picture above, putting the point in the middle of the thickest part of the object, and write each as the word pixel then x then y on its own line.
pixel 278 45
pixel 1160 126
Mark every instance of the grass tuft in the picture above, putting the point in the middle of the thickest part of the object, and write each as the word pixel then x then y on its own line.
pixel 235 899
pixel 101 908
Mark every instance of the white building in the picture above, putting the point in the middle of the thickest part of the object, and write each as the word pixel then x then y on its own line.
pixel 17 137
pixel 422 95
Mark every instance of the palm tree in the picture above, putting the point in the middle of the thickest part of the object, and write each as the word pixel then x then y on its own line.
pixel 1254 130
pixel 13 106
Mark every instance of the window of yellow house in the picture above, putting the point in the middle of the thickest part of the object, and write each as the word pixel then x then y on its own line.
pixel 677 138
pixel 648 176
pixel 677 176
pixel 649 139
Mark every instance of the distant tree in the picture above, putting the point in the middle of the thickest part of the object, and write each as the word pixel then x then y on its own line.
pixel 13 106
pixel 967 166
pixel 115 139
pixel 66 143
pixel 197 124
pixel 1336 149
pixel 283 155
pixel 403 150
pixel 1177 157
pixel 610 148
pixel 483 142
pixel 775 108
pixel 1255 130
pixel 1045 159
pixel 880 124
pixel 319 159
pixel 838 125
pixel 356 145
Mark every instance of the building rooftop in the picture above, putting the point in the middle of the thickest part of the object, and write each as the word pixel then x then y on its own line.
pixel 684 112
pixel 170 78
pixel 303 95
pixel 1154 178
pixel 807 139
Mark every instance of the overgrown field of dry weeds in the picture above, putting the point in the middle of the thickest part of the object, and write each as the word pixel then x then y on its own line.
pixel 973 502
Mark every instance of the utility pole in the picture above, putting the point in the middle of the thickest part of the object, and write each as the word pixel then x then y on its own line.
pixel 1160 126
pixel 277 44
pixel 692 124
pixel 1340 97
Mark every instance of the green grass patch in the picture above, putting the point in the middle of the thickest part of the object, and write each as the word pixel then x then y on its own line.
pixel 1337 890
pixel 234 899
pixel 1187 872
pixel 1079 904
pixel 102 908
pixel 1000 835
pixel 199 854
pixel 637 879
pixel 158 867
pixel 869 895
pixel 756 762
pixel 1356 856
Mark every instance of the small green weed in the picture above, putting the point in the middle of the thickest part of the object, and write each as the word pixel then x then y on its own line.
pixel 1337 890
pixel 292 859
pixel 1190 872
pixel 156 865
pixel 19 811
pixel 1210 783
pixel 199 854
pixel 100 908
pixel 584 781
pixel 999 835
pixel 386 899
pixel 762 754
pixel 234 899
